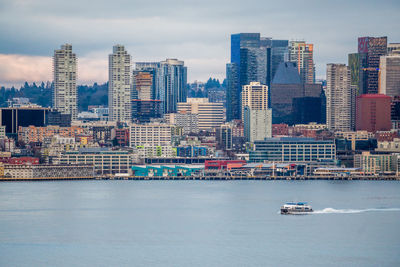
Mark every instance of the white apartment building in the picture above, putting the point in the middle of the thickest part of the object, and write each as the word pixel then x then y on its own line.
pixel 254 96
pixel 65 75
pixel 257 124
pixel 340 98
pixel 210 115
pixel 119 86
pixel 153 134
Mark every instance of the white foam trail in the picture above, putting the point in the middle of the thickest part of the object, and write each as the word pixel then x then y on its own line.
pixel 336 211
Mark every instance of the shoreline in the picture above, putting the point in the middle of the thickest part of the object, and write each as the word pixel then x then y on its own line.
pixel 210 178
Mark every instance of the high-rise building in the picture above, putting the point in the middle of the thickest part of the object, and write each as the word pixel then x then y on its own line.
pixel 232 92
pixel 285 86
pixel 279 54
pixel 145 110
pixel 389 75
pixel 354 63
pixel 142 82
pixel 149 68
pixel 210 115
pixel 370 49
pixel 257 124
pixel 250 62
pixel 171 84
pixel 340 98
pixel 373 113
pixel 254 96
pixel 119 86
pixel 65 91
pixel 302 54
pixel 224 136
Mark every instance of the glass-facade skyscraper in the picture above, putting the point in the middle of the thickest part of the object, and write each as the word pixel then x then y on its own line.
pixel 171 84
pixel 370 49
pixel 251 61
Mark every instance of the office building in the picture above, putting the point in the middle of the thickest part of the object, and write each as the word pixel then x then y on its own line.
pixel 370 50
pixel 232 92
pixel 142 82
pixel 285 86
pixel 354 63
pixel 104 160
pixel 292 149
pixel 188 122
pixel 254 96
pixel 210 115
pixel 373 112
pixel 13 118
pixel 144 111
pixel 257 124
pixel 224 136
pixel 279 54
pixel 340 98
pixel 308 109
pixel 250 62
pixel 65 75
pixel 389 75
pixel 303 55
pixel 153 134
pixel 119 85
pixel 171 84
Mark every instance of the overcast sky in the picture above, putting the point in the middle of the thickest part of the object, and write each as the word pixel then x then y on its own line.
pixel 197 32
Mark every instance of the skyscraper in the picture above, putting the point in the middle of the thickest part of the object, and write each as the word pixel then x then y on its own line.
pixel 302 53
pixel 285 86
pixel 119 86
pixel 232 92
pixel 340 98
pixel 254 96
pixel 256 115
pixel 250 62
pixel 279 54
pixel 370 50
pixel 171 84
pixel 142 82
pixel 65 92
pixel 389 75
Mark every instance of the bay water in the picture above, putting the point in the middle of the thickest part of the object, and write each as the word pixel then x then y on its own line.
pixel 199 223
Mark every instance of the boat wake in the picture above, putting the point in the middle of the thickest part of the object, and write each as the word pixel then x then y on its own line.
pixel 337 211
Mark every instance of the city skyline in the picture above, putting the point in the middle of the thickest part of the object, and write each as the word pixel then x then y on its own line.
pixel 200 35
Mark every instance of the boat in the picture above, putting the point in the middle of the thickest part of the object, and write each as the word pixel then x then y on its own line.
pixel 296 208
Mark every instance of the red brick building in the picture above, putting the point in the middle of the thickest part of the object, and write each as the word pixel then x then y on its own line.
pixel 373 112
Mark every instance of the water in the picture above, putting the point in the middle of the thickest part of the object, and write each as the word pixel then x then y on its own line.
pixel 199 223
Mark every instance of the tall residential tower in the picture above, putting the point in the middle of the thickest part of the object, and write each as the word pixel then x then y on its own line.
pixel 340 98
pixel 302 53
pixel 119 86
pixel 171 84
pixel 64 71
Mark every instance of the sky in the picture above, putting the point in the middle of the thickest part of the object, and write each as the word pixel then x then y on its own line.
pixel 197 32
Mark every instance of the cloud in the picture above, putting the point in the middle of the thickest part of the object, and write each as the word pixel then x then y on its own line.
pixel 196 32
pixel 16 69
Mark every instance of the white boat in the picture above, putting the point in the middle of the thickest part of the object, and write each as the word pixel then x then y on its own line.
pixel 296 208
